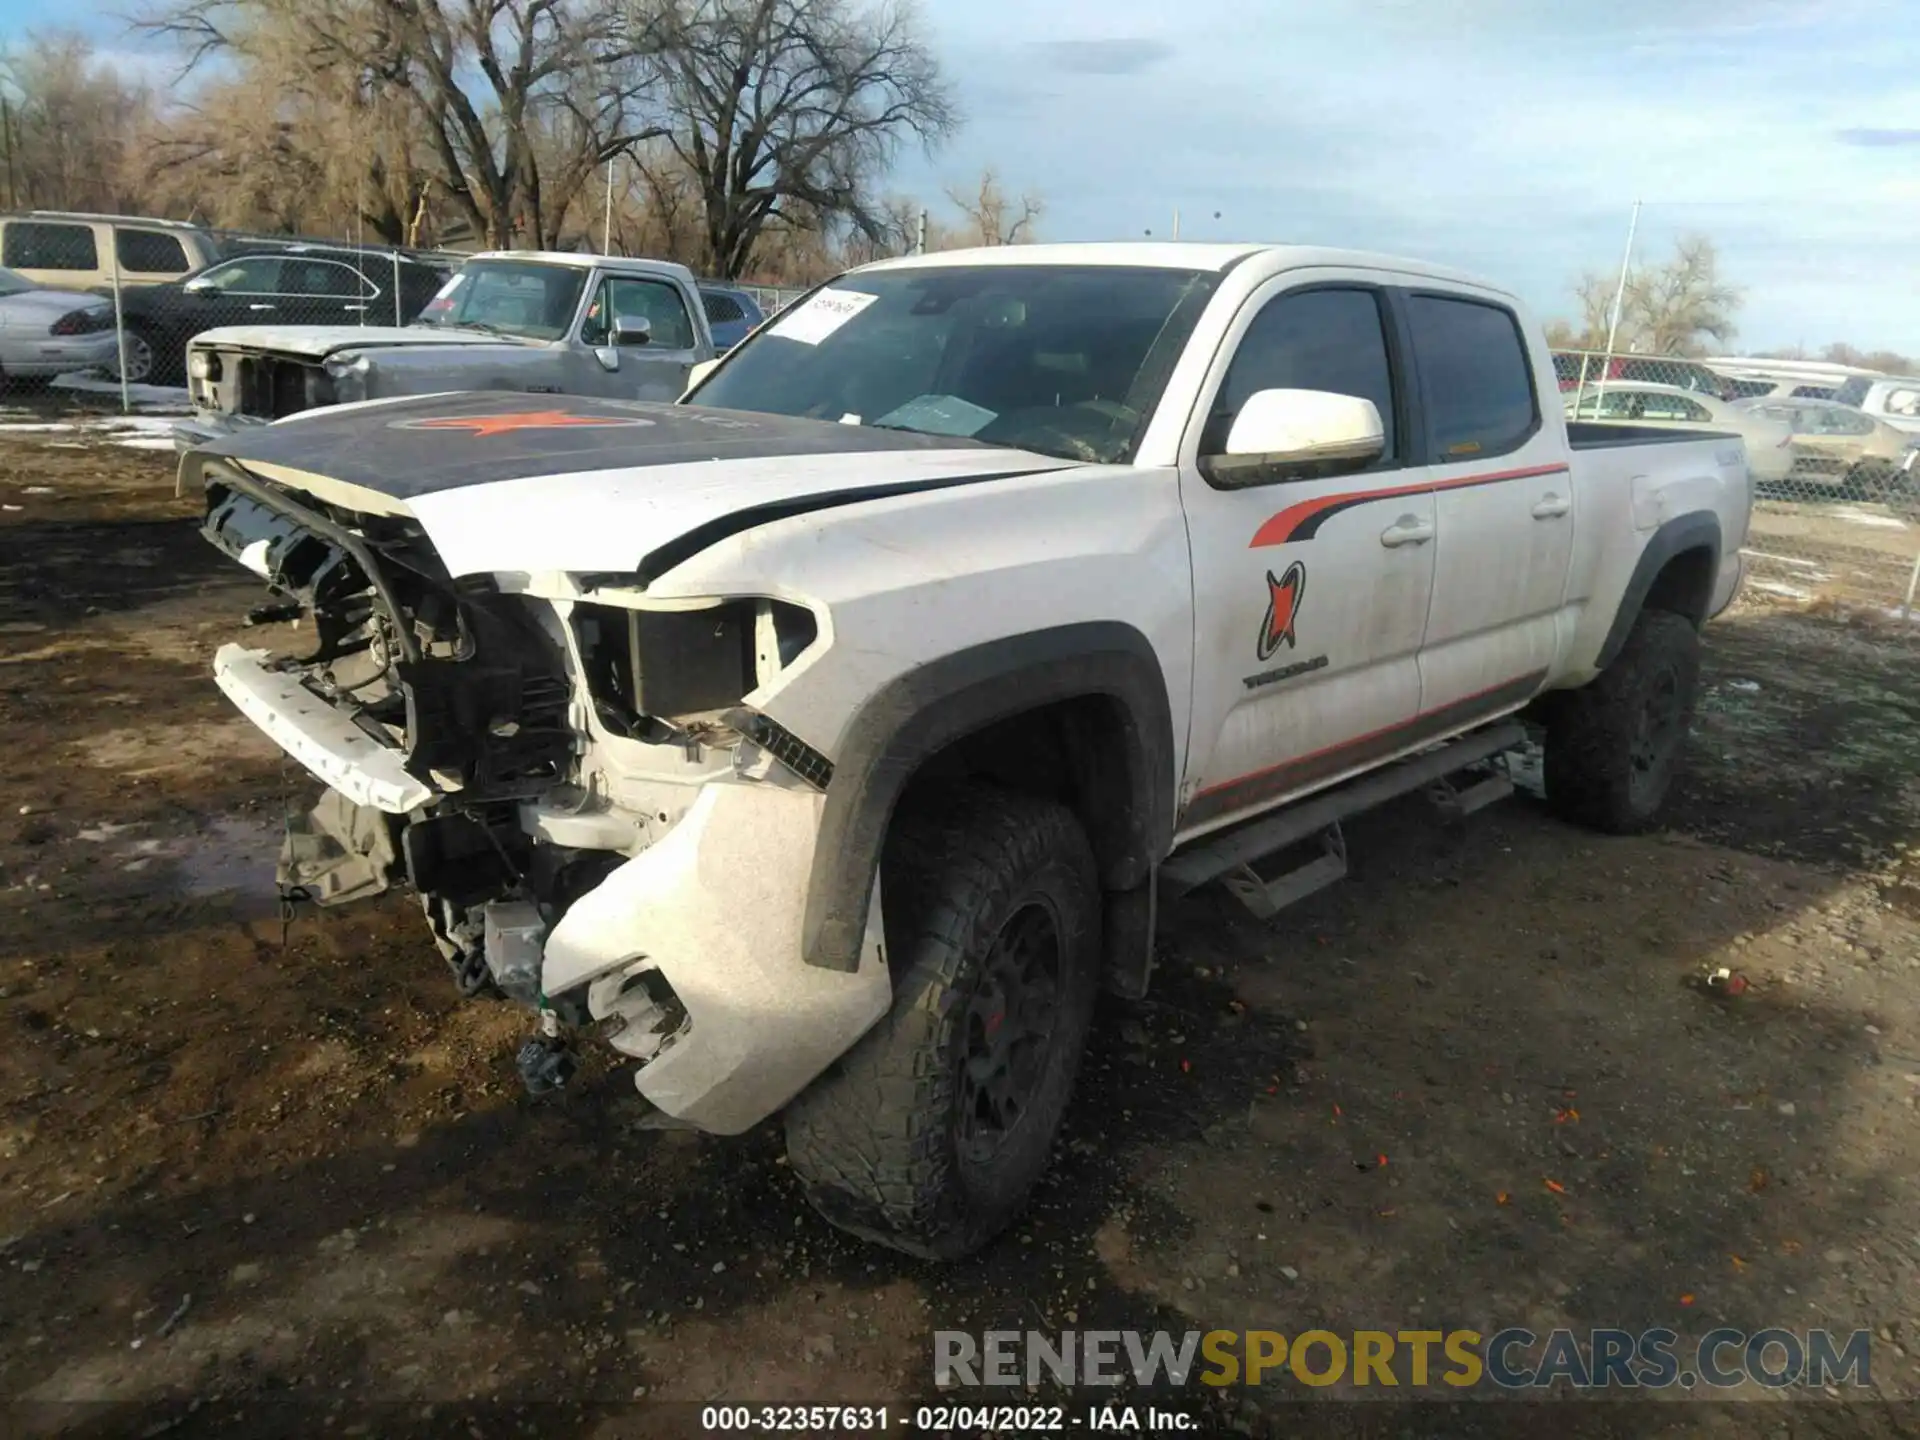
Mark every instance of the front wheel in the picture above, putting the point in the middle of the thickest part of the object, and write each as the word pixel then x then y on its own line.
pixel 928 1135
pixel 1614 746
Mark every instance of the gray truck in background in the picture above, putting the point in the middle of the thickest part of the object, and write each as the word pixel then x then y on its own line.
pixel 531 321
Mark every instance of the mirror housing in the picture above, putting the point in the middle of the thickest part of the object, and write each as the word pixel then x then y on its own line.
pixel 631 330
pixel 1296 434
pixel 197 287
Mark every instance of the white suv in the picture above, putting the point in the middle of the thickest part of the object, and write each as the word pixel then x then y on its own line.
pixel 1893 399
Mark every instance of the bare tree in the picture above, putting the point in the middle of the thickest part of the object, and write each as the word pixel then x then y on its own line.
pixel 991 217
pixel 1665 309
pixel 1676 305
pixel 69 123
pixel 516 102
pixel 786 110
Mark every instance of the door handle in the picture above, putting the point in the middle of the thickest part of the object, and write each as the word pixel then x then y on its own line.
pixel 1552 507
pixel 1407 530
pixel 262 307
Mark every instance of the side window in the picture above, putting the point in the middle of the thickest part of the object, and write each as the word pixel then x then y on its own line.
pixel 1310 340
pixel 254 275
pixel 1899 402
pixel 1474 373
pixel 653 300
pixel 322 277
pixel 721 308
pixel 150 252
pixel 37 245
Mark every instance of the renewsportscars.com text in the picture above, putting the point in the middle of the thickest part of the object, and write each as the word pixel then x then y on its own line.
pixel 1510 1359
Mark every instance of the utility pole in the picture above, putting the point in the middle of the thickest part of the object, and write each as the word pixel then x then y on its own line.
pixel 6 138
pixel 606 229
pixel 1176 222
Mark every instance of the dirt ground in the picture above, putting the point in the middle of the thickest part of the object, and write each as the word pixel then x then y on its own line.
pixel 248 1184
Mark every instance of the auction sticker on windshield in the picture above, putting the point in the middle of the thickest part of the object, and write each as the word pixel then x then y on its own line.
pixel 821 316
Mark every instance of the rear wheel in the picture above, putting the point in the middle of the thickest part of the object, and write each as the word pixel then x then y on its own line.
pixel 145 361
pixel 1614 747
pixel 929 1134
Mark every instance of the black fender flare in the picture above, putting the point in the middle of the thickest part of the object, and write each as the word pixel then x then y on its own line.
pixel 920 713
pixel 1693 531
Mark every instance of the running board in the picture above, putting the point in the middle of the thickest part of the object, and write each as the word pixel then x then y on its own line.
pixel 1231 853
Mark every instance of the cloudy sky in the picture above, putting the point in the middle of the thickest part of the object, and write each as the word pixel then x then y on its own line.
pixel 1509 137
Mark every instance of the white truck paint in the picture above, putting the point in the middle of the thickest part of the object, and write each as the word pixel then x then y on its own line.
pixel 1326 514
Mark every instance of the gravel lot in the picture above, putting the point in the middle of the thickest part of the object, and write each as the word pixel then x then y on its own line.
pixel 1473 1086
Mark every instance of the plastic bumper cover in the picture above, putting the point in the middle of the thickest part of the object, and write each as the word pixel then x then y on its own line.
pixel 716 906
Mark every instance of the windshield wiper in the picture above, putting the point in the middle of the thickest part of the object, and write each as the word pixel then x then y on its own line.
pixel 480 325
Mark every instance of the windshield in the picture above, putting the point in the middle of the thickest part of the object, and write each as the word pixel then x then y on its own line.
pixel 1065 360
pixel 509 297
pixel 14 283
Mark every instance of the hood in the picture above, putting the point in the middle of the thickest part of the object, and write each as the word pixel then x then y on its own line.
pixel 507 482
pixel 42 307
pixel 316 342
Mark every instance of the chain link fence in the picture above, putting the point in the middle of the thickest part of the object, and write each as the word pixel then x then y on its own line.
pixel 1836 488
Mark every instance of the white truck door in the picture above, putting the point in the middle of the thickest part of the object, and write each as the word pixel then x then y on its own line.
pixel 1310 595
pixel 1504 501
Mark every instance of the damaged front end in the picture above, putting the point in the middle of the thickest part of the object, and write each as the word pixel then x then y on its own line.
pixel 432 707
pixel 596 823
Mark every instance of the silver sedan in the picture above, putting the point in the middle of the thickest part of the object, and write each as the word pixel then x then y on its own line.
pixel 1770 448
pixel 44 332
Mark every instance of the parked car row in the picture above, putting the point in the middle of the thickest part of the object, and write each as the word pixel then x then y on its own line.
pixel 1821 444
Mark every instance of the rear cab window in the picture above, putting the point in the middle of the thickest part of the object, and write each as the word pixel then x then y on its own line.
pixel 1475 378
pixel 48 245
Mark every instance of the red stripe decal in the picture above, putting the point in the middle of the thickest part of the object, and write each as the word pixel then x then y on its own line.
pixel 1301 521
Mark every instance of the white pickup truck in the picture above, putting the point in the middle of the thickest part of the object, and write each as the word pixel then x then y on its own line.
pixel 821 741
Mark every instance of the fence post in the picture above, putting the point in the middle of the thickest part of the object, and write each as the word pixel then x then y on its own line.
pixel 119 323
pixel 396 290
pixel 1913 584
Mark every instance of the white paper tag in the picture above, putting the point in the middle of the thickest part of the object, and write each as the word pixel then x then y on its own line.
pixel 821 316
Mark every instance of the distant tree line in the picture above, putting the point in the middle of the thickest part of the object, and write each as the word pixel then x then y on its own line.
pixel 743 137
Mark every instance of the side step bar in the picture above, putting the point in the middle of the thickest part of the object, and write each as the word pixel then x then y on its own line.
pixel 1231 853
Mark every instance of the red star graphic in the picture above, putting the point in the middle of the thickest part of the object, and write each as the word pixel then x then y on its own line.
pixel 482 426
pixel 1283 606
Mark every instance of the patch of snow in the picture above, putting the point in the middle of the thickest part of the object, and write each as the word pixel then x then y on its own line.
pixel 1854 515
pixel 145 442
pixel 1773 587
pixel 33 427
pixel 1780 559
pixel 146 397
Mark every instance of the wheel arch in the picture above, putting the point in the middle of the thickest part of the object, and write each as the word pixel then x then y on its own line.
pixel 1099 682
pixel 1675 572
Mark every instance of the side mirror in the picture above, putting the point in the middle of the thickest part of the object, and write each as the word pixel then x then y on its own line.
pixel 1296 434
pixel 197 287
pixel 632 330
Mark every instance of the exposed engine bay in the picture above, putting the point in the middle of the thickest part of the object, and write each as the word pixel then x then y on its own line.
pixel 501 754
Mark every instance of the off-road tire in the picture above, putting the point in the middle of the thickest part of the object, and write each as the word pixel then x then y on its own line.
pixel 877 1141
pixel 1594 734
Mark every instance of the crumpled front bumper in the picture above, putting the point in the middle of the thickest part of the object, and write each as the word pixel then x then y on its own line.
pixel 717 906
